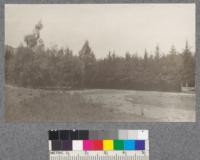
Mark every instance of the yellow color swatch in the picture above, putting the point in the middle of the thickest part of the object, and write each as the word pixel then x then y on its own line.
pixel 107 145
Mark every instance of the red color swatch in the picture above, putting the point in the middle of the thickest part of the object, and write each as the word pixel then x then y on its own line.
pixel 97 145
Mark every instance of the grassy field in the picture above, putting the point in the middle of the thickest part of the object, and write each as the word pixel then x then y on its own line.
pixel 97 105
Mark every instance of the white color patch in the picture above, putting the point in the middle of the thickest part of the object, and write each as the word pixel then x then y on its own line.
pixel 77 145
pixel 132 134
pixel 143 134
pixel 50 145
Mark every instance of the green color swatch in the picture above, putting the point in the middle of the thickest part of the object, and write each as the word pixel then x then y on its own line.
pixel 118 145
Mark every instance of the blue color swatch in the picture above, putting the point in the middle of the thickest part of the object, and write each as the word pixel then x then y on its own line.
pixel 129 145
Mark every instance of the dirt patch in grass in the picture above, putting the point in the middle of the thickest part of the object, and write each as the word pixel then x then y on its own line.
pixel 35 105
pixel 97 105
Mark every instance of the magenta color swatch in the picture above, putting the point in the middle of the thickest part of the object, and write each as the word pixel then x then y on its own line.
pixel 87 145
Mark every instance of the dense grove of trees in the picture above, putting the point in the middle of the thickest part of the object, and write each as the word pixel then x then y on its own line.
pixel 36 66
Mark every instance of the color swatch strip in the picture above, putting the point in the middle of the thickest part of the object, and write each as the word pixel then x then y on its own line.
pixel 97 145
pixel 98 134
pixel 85 140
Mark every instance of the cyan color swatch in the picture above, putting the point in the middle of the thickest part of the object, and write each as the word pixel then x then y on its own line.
pixel 129 145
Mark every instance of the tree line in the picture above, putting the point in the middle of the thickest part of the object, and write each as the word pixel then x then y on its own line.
pixel 35 66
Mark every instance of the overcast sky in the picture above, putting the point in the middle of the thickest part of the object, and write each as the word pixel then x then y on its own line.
pixel 107 27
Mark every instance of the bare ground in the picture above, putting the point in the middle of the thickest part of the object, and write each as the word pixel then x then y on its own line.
pixel 97 105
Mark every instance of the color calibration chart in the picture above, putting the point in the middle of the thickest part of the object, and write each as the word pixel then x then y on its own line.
pixel 99 145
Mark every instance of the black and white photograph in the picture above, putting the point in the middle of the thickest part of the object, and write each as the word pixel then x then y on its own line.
pixel 100 62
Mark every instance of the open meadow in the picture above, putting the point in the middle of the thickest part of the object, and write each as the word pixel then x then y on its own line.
pixel 97 105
